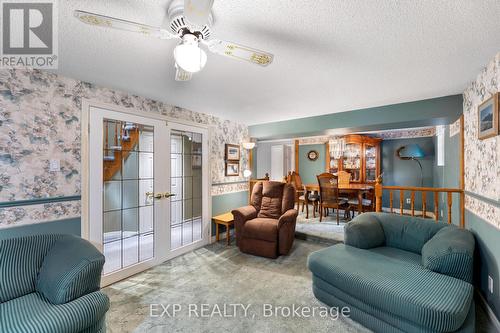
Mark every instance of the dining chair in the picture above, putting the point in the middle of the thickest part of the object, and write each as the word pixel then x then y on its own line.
pixel 300 193
pixel 367 204
pixel 329 195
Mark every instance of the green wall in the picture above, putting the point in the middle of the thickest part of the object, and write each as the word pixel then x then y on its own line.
pixel 487 258
pixel 435 111
pixel 308 170
pixel 67 226
pixel 398 172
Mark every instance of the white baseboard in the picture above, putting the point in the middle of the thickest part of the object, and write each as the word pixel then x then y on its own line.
pixel 489 312
pixel 418 213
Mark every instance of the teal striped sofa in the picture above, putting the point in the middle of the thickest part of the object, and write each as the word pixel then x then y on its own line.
pixel 399 274
pixel 50 284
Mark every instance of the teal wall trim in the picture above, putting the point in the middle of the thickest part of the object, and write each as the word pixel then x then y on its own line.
pixel 66 226
pixel 308 170
pixel 399 172
pixel 435 111
pixel 220 204
pixel 487 258
pixel 38 201
pixel 482 198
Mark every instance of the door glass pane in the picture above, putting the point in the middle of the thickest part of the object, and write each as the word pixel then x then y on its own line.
pixel 352 161
pixel 371 163
pixel 186 184
pixel 128 219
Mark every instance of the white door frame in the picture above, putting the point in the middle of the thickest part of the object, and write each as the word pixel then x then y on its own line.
pixel 87 104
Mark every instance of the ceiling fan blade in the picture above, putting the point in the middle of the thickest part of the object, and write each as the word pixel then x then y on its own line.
pixel 182 75
pixel 115 23
pixel 241 52
pixel 197 11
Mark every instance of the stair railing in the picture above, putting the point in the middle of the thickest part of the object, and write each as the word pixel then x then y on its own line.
pixel 403 190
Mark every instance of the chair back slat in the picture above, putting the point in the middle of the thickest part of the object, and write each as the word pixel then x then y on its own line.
pixel 328 188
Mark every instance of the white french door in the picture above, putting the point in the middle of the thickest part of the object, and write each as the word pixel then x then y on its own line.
pixel 147 199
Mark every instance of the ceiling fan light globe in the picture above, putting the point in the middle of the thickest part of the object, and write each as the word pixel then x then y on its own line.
pixel 190 58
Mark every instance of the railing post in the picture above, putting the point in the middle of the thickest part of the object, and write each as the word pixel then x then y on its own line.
pixel 378 195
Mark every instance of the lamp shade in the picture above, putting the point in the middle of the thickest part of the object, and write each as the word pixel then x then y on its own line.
pixel 411 151
pixel 189 56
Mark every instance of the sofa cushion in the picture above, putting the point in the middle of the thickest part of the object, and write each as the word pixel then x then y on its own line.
pixel 406 232
pixel 450 252
pixel 261 228
pixel 407 257
pixel 426 298
pixel 364 232
pixel 25 313
pixel 20 262
pixel 72 268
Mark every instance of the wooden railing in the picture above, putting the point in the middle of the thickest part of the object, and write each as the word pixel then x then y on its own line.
pixel 425 191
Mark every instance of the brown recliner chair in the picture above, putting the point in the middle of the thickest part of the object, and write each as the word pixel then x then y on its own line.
pixel 267 226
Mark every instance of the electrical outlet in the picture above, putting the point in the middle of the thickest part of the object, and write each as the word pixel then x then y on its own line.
pixel 490 284
pixel 408 201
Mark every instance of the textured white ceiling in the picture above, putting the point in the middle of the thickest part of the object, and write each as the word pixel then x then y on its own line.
pixel 330 55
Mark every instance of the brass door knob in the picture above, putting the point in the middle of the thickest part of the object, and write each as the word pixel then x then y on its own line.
pixel 154 195
pixel 168 195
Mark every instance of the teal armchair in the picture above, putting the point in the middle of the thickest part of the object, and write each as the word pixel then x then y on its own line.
pixel 399 274
pixel 50 284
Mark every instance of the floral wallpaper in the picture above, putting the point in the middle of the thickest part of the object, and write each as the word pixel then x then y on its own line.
pixel 482 157
pixel 40 120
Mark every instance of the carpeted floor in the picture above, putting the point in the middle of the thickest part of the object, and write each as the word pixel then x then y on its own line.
pixel 218 275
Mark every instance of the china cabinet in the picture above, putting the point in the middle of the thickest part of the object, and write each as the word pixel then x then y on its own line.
pixel 361 158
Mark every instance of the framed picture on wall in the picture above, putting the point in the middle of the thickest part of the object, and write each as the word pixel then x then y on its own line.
pixel 232 169
pixel 232 152
pixel 488 118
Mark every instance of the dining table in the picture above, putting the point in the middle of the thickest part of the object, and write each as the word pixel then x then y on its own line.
pixel 357 188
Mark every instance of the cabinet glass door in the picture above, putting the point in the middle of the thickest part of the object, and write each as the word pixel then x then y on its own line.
pixel 352 161
pixel 370 163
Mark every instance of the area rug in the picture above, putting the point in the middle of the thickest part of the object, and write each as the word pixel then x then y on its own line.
pixel 325 231
pixel 222 275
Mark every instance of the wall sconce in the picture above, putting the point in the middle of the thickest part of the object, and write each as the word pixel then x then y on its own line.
pixel 248 145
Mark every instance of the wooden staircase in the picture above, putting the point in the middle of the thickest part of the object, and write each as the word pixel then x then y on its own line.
pixel 129 140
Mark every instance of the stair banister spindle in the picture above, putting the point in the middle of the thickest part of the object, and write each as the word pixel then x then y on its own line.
pixel 449 202
pixel 401 201
pixel 424 204
pixel 436 206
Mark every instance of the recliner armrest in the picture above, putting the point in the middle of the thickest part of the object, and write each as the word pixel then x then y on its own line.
pixel 364 232
pixel 71 269
pixel 290 216
pixel 243 214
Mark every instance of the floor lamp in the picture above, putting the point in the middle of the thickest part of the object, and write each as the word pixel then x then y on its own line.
pixel 412 152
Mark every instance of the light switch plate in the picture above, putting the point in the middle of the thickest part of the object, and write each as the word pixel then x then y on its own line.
pixel 54 165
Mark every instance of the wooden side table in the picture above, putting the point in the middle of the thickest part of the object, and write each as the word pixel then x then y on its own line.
pixel 226 220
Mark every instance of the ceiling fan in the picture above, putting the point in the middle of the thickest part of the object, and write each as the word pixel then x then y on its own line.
pixel 190 21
